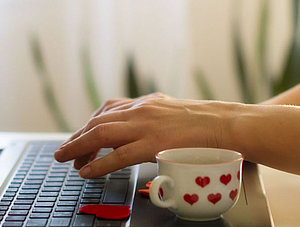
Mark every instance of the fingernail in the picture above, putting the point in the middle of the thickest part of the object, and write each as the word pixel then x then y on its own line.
pixel 85 171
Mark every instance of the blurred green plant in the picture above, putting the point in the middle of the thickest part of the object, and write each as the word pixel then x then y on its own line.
pixel 203 86
pixel 274 84
pixel 89 78
pixel 290 74
pixel 134 87
pixel 47 86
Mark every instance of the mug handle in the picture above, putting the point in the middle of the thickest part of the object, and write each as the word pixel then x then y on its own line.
pixel 154 190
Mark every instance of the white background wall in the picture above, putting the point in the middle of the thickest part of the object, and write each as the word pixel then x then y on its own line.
pixel 169 40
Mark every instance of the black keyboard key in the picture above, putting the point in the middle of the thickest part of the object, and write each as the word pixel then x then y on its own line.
pixel 14 185
pixel 41 210
pixel 72 188
pixel 93 190
pixel 57 175
pixel 12 224
pixel 91 186
pixel 39 215
pixel 30 182
pixel 53 184
pixel 28 192
pixel 30 187
pixel 55 171
pixel 46 199
pixel 116 191
pixel 84 220
pixel 40 170
pixel 36 222
pixel 38 173
pixel 18 212
pixel 15 218
pixel 92 196
pixel 12 190
pixel 96 181
pixel 76 179
pixel 49 194
pixel 3 208
pixel 68 193
pixel 50 189
pixel 55 179
pixel 74 183
pixel 11 194
pixel 65 209
pixel 68 198
pixel 90 201
pixel 5 203
pixel 44 204
pixel 7 199
pixel 63 214
pixel 36 177
pixel 23 202
pixel 62 222
pixel 24 197
pixel 67 203
pixel 20 207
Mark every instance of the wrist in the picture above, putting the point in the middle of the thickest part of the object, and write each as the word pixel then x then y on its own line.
pixel 227 132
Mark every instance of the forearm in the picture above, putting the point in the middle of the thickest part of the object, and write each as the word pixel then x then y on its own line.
pixel 289 97
pixel 268 135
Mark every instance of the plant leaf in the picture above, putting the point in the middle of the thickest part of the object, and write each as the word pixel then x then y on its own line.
pixel 290 75
pixel 47 87
pixel 262 40
pixel 131 79
pixel 89 78
pixel 203 86
pixel 239 58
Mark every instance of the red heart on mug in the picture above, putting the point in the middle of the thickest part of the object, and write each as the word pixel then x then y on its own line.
pixel 202 181
pixel 214 198
pixel 106 211
pixel 191 199
pixel 161 193
pixel 225 179
pixel 233 194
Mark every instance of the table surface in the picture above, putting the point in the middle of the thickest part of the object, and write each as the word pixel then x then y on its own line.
pixel 283 193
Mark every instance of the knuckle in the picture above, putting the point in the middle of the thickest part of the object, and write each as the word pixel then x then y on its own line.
pixel 100 131
pixel 92 123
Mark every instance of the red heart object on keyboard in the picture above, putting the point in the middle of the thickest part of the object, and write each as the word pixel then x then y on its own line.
pixel 107 211
pixel 144 192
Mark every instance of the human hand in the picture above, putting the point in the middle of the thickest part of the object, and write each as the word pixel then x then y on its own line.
pixel 139 128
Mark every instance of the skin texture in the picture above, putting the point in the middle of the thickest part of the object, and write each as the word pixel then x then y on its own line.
pixel 139 128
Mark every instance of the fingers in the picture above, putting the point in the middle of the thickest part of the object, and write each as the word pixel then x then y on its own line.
pixel 121 157
pixel 110 104
pixel 82 161
pixel 113 134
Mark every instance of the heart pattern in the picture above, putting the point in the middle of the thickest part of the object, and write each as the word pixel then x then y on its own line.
pixel 214 198
pixel 191 199
pixel 202 181
pixel 233 194
pixel 225 179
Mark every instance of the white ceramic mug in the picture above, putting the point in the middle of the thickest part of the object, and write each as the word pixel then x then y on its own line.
pixel 197 184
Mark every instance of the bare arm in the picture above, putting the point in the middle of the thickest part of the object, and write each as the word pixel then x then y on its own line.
pixel 289 97
pixel 268 135
pixel 139 128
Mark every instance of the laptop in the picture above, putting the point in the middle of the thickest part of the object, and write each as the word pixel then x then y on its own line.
pixel 35 190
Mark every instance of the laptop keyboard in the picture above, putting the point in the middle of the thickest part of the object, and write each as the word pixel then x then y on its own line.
pixel 43 192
